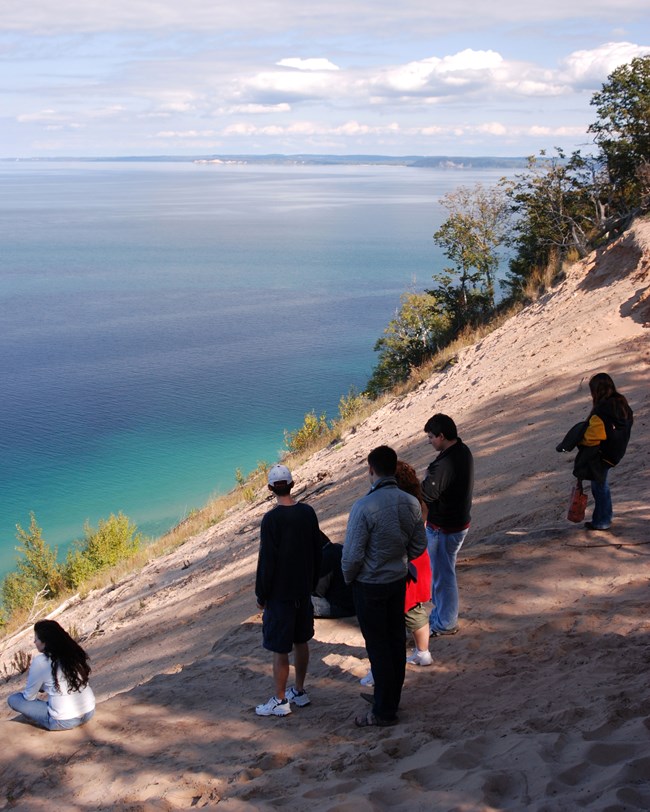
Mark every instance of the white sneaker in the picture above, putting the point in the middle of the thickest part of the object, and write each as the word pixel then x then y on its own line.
pixel 368 680
pixel 274 707
pixel 298 698
pixel 420 657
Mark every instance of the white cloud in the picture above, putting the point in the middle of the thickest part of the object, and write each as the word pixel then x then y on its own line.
pixel 43 116
pixel 307 64
pixel 469 60
pixel 537 130
pixel 255 109
pixel 413 75
pixel 185 134
pixel 433 73
pixel 536 87
pixel 493 128
pixel 306 84
pixel 338 17
pixel 590 68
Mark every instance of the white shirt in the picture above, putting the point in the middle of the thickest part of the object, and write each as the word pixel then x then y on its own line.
pixel 64 703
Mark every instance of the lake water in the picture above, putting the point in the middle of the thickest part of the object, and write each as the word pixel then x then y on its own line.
pixel 162 324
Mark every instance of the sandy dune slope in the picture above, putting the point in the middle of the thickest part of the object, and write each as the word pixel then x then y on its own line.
pixel 542 702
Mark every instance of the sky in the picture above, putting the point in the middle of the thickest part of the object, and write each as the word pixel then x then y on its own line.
pixel 413 77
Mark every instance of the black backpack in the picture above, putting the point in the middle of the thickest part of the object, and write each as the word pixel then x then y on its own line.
pixel 618 432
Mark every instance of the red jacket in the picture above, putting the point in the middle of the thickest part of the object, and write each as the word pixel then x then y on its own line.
pixel 419 591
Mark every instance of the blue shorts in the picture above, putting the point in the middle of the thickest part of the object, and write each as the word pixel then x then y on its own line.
pixel 287 622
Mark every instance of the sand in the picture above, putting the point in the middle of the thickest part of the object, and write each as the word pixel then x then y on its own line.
pixel 541 702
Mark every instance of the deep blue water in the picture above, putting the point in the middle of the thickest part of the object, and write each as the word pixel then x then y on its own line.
pixel 162 324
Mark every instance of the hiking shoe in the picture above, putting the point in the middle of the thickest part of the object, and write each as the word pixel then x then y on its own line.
pixel 274 707
pixel 298 698
pixel 592 526
pixel 420 658
pixel 368 680
pixel 442 632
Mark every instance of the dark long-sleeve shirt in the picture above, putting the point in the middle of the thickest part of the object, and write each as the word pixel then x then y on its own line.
pixel 290 553
pixel 448 486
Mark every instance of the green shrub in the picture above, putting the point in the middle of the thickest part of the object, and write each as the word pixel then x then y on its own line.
pixel 351 404
pixel 114 540
pixel 312 428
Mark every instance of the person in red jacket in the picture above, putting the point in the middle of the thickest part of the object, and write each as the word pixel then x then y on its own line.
pixel 418 586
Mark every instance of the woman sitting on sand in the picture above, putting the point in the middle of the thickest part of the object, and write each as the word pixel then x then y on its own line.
pixel 61 670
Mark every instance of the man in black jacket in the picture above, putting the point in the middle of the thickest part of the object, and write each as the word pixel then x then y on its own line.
pixel 447 491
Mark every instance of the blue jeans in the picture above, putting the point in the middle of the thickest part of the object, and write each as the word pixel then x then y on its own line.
pixel 380 611
pixel 443 551
pixel 603 513
pixel 37 711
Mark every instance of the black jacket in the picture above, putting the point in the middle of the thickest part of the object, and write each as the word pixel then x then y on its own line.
pixel 448 486
pixel 331 585
pixel 618 427
pixel 290 553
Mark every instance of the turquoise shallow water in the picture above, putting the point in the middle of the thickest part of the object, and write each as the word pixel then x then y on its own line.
pixel 162 324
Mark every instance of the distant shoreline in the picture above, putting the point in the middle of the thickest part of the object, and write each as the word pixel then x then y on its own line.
pixel 417 161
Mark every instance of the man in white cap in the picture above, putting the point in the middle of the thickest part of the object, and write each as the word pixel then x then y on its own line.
pixel 287 573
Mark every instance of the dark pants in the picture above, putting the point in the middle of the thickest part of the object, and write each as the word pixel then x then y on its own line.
pixel 380 610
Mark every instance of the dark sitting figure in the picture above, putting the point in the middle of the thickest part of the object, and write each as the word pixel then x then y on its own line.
pixel 332 596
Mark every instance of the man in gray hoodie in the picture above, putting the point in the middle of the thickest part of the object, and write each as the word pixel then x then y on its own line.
pixel 385 531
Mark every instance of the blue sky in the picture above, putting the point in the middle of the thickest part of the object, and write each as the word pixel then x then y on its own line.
pixel 155 77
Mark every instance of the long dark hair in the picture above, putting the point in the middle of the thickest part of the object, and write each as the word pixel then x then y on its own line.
pixel 64 653
pixel 602 388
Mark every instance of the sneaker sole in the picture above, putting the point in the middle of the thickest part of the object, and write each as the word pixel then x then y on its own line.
pixel 284 711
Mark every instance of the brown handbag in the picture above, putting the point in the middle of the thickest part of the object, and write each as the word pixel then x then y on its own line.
pixel 577 503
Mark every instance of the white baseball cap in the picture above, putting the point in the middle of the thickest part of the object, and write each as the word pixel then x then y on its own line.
pixel 279 473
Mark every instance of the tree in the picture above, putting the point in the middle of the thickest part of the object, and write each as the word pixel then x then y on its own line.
pixel 37 570
pixel 420 327
pixel 470 238
pixel 622 129
pixel 560 206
